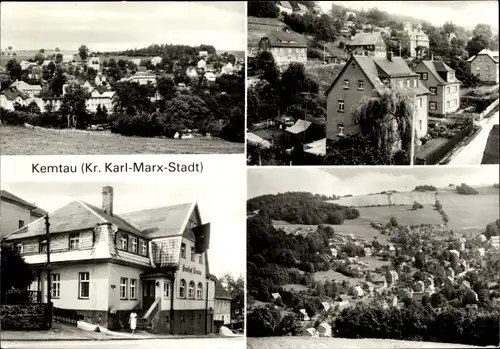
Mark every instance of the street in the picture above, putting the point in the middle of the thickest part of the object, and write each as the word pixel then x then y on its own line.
pixel 184 343
pixel 472 153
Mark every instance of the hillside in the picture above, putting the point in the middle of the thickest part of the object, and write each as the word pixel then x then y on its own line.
pixel 259 27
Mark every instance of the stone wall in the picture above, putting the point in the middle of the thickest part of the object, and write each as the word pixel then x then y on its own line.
pixel 26 317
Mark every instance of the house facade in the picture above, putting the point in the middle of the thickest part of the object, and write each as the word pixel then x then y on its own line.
pixel 222 308
pixel 364 77
pixel 27 89
pixel 367 44
pixel 16 213
pixel 485 65
pixel 103 265
pixel 444 87
pixel 413 39
pixel 94 63
pixel 96 99
pixel 285 47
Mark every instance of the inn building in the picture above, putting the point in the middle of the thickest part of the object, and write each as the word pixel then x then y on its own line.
pixel 105 265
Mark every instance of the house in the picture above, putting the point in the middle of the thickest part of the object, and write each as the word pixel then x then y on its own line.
pixel 46 62
pixel 203 54
pixel 238 308
pixel 103 265
pixel 11 97
pixel 202 64
pixel 349 15
pixel 16 212
pixel 49 103
pixel 105 100
pixel 285 47
pixel 29 90
pixel 479 252
pixel 391 277
pixel 368 251
pixel 211 77
pixel 357 291
pixel 485 65
pixel 156 60
pixel 94 63
pixel 25 65
pixel 191 72
pixel 100 80
pixel 368 76
pixel 303 315
pixel 285 6
pixel 444 87
pixel 222 299
pixel 303 131
pixel 228 69
pixel 275 296
pixel 379 281
pixel 416 41
pixel 367 44
pixel 142 78
pixel 495 241
pixel 481 238
pixel 67 58
pixel 136 61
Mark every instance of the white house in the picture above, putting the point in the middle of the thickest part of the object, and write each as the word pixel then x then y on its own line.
pixel 94 62
pixel 155 60
pixel 211 77
pixel 105 100
pixel 202 64
pixel 105 265
pixel 29 90
pixel 228 68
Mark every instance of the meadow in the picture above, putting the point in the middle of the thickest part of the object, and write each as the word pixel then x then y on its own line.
pixel 23 141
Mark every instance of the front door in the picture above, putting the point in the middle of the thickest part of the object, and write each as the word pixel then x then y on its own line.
pixel 148 293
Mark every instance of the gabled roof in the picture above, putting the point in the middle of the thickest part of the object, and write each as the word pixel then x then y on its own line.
pixel 4 194
pixel 492 54
pixel 362 39
pixel 280 38
pixel 21 85
pixel 285 4
pixel 75 216
pixel 161 222
pixel 302 7
pixel 11 93
pixel 221 292
pixel 435 67
pixel 299 126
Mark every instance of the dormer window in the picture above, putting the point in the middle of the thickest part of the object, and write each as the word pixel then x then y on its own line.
pixel 124 243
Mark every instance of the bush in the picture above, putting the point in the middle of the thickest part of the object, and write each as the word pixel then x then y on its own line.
pixel 289 325
pixel 261 323
pixel 394 222
pixel 142 125
pixel 464 189
pixel 417 206
pixel 424 188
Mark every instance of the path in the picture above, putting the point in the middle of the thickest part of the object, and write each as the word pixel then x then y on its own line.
pixel 472 153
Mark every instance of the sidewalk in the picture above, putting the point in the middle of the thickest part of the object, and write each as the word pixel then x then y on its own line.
pixel 62 332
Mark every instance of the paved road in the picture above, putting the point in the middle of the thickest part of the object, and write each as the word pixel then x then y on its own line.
pixel 185 343
pixel 472 153
pixel 330 343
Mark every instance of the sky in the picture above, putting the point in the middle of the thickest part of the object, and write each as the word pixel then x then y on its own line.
pixel 122 25
pixel 463 13
pixel 225 212
pixel 363 180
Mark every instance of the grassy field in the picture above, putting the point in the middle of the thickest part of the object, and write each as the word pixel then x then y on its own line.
pixel 23 141
pixel 333 275
pixel 295 287
pixel 344 343
pixel 404 214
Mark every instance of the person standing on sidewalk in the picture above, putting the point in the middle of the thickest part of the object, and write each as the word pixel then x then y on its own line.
pixel 132 321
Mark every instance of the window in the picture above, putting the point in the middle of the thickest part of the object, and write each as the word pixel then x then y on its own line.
pixel 447 104
pixel 454 89
pixel 454 103
pixel 478 68
pixel 84 285
pixel 487 67
pixel 74 241
pixel 424 76
pixel 123 288
pixel 56 285
pixel 133 288
pixel 134 245
pixel 432 105
pixel 361 85
pixel 433 90
pixel 346 84
pixel 200 259
pixel 199 291
pixel 340 130
pixel 166 289
pixel 413 83
pixel 341 105
pixel 191 290
pixel 21 224
pixel 144 248
pixel 43 246
pixel 420 102
pixel 448 90
pixel 124 243
pixel 420 125
pixel 182 289
pixel 193 253
pixel 183 250
pixel 353 66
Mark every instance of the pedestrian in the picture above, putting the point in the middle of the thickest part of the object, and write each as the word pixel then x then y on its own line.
pixel 132 321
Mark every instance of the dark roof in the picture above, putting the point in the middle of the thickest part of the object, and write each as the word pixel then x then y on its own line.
pixel 363 39
pixel 160 222
pixel 4 194
pixel 75 216
pixel 280 38
pixel 436 67
pixel 375 67
pixel 12 93
pixel 221 292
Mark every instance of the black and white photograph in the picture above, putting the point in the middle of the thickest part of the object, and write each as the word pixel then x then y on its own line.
pixel 372 83
pixel 373 257
pixel 129 265
pixel 93 78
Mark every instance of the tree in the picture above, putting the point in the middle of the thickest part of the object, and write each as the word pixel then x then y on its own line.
pixel 325 29
pixel 58 81
pixel 39 58
pixel 91 73
pixel 15 274
pixel 185 111
pixel 476 44
pixel 83 52
pixel 235 287
pixel 261 322
pixel 166 88
pixel 289 325
pixel 57 49
pixel 59 58
pixel 394 222
pixel 263 9
pixel 74 107
pixel 42 51
pixel 14 69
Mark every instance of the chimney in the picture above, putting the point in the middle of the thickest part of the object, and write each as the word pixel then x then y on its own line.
pixel 389 55
pixel 107 200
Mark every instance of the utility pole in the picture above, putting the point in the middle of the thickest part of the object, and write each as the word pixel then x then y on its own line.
pixel 49 281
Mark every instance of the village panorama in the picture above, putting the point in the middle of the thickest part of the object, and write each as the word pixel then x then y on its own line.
pixel 89 97
pixel 364 258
